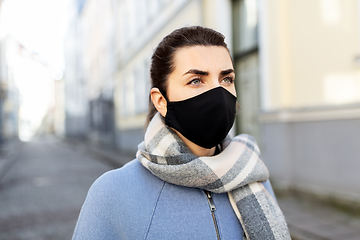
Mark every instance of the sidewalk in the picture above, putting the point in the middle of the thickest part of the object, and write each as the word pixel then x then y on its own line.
pixel 114 158
pixel 314 220
pixel 9 154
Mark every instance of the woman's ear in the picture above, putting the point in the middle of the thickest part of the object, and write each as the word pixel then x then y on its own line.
pixel 159 101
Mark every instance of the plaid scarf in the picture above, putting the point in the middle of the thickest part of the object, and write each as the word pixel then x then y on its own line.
pixel 237 170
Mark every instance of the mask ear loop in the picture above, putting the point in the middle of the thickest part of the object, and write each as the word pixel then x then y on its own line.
pixel 164 95
pixel 237 108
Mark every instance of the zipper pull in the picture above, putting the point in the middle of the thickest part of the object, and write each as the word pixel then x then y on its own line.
pixel 210 200
pixel 212 209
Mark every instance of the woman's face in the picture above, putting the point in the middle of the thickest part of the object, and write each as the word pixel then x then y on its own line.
pixel 199 69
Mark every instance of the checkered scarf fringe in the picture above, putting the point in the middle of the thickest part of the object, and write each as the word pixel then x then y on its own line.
pixel 237 170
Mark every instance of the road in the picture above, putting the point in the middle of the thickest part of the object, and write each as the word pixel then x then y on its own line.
pixel 42 192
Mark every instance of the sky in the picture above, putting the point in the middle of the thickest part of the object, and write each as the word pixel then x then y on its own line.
pixel 39 25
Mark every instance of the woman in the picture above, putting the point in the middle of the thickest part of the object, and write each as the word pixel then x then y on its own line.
pixel 189 181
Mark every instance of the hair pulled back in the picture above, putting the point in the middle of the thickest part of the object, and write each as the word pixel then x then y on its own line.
pixel 162 64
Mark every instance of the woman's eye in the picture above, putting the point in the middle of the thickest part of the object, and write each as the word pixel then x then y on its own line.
pixel 196 81
pixel 228 80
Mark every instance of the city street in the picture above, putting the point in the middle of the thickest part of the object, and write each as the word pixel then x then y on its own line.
pixel 42 191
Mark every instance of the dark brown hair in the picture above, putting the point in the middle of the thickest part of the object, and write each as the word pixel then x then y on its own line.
pixel 162 64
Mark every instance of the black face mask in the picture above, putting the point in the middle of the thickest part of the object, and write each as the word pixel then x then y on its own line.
pixel 204 119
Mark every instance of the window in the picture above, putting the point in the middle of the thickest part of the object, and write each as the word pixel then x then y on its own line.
pixel 245 25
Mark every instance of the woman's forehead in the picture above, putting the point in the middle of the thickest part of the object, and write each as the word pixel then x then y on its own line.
pixel 205 58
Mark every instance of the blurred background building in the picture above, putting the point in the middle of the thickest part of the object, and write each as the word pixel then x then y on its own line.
pixel 297 74
pixel 309 88
pixel 10 50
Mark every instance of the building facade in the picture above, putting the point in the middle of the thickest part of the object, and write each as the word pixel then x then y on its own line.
pixel 9 92
pixel 309 80
pixel 75 87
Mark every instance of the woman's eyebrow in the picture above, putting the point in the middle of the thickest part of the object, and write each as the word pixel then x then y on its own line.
pixel 227 71
pixel 204 73
pixel 197 71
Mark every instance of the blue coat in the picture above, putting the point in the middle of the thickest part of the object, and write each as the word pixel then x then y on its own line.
pixel 132 203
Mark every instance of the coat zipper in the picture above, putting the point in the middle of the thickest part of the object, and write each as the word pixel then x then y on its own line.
pixel 213 209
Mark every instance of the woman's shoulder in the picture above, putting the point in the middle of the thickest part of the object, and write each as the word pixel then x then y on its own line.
pixel 128 170
pixel 131 177
pixel 119 204
pixel 122 190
